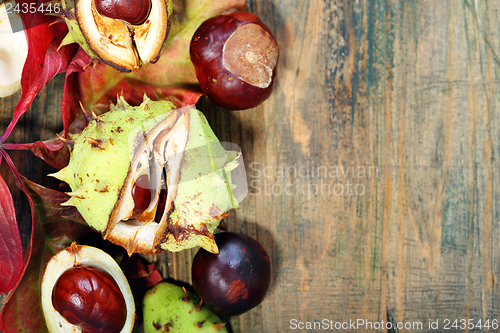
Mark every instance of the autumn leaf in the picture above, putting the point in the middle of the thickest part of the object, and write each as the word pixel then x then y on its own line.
pixel 55 228
pixel 44 60
pixel 6 252
pixel 11 261
pixel 54 63
pixel 23 312
pixel 54 151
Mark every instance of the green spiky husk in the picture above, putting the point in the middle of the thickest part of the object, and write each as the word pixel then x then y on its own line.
pixel 101 165
pixel 166 309
pixel 96 173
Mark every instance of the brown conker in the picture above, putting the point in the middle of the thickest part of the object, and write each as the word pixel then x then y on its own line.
pixel 132 11
pixel 235 58
pixel 235 280
pixel 89 297
pixel 141 195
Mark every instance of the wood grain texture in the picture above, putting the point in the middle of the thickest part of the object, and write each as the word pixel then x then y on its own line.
pixel 373 169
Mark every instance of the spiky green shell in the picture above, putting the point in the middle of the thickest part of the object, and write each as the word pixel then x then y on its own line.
pixel 205 188
pixel 167 309
pixel 120 146
pixel 101 157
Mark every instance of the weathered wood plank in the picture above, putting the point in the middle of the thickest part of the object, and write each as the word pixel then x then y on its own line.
pixel 406 88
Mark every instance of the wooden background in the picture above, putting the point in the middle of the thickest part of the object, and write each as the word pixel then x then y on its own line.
pixel 405 91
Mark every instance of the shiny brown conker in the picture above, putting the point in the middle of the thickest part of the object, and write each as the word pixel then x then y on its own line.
pixel 88 297
pixel 132 11
pixel 141 194
pixel 235 58
pixel 235 280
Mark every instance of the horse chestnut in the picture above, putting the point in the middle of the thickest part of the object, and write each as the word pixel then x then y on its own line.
pixel 84 290
pixel 88 297
pixel 132 11
pixel 141 195
pixel 235 59
pixel 234 281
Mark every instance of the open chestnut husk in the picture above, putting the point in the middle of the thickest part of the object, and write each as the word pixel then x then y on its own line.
pixel 124 34
pixel 234 281
pixel 84 290
pixel 166 183
pixel 235 58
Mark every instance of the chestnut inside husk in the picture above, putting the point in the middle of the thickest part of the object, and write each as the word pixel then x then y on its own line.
pixel 132 11
pixel 89 297
pixel 84 290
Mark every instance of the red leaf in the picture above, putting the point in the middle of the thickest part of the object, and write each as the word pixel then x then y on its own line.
pixel 23 312
pixel 44 61
pixel 58 222
pixel 54 62
pixel 55 227
pixel 71 91
pixel 11 250
pixel 27 256
pixel 172 77
pixel 40 31
pixel 52 151
pixel 137 268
